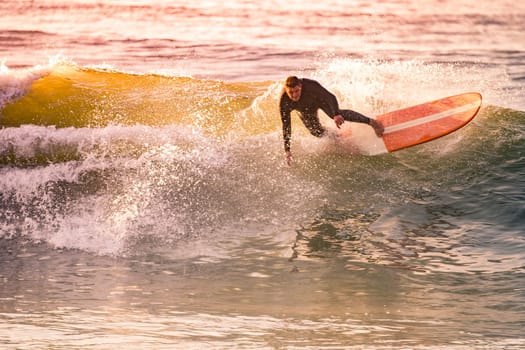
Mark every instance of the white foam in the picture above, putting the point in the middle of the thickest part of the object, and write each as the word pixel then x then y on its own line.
pixel 139 159
pixel 373 87
pixel 15 83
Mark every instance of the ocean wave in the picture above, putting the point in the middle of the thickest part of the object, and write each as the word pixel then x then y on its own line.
pixel 71 96
pixel 111 162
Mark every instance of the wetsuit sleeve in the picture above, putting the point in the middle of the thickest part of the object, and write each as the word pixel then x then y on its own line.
pixel 327 101
pixel 287 124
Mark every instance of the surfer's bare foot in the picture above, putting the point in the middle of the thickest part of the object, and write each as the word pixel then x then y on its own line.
pixel 378 127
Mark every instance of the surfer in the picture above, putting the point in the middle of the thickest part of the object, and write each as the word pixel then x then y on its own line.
pixel 308 96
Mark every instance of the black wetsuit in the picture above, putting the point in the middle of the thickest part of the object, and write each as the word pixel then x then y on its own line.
pixel 313 97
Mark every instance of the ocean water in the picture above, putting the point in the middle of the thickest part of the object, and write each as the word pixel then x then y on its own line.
pixel 145 203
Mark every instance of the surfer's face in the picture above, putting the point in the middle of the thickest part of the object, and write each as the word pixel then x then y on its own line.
pixel 294 93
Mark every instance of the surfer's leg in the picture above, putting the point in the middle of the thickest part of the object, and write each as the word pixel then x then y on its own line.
pixel 353 116
pixel 312 123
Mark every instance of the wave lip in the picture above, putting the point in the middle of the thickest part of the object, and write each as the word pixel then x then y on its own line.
pixel 66 95
pixel 15 83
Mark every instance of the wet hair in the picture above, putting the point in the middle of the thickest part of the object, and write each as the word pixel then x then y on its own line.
pixel 292 81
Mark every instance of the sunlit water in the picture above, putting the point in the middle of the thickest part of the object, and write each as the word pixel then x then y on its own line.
pixel 144 203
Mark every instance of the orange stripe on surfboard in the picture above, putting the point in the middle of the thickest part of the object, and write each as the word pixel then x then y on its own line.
pixel 422 123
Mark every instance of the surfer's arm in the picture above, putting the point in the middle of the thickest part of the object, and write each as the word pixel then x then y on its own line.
pixel 287 122
pixel 329 105
pixel 288 156
pixel 286 110
pixel 287 129
pixel 326 100
pixel 287 134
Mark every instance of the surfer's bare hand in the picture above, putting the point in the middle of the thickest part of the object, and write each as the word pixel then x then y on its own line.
pixel 339 120
pixel 378 127
pixel 288 156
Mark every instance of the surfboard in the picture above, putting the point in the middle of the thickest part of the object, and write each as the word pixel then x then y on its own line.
pixel 428 121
